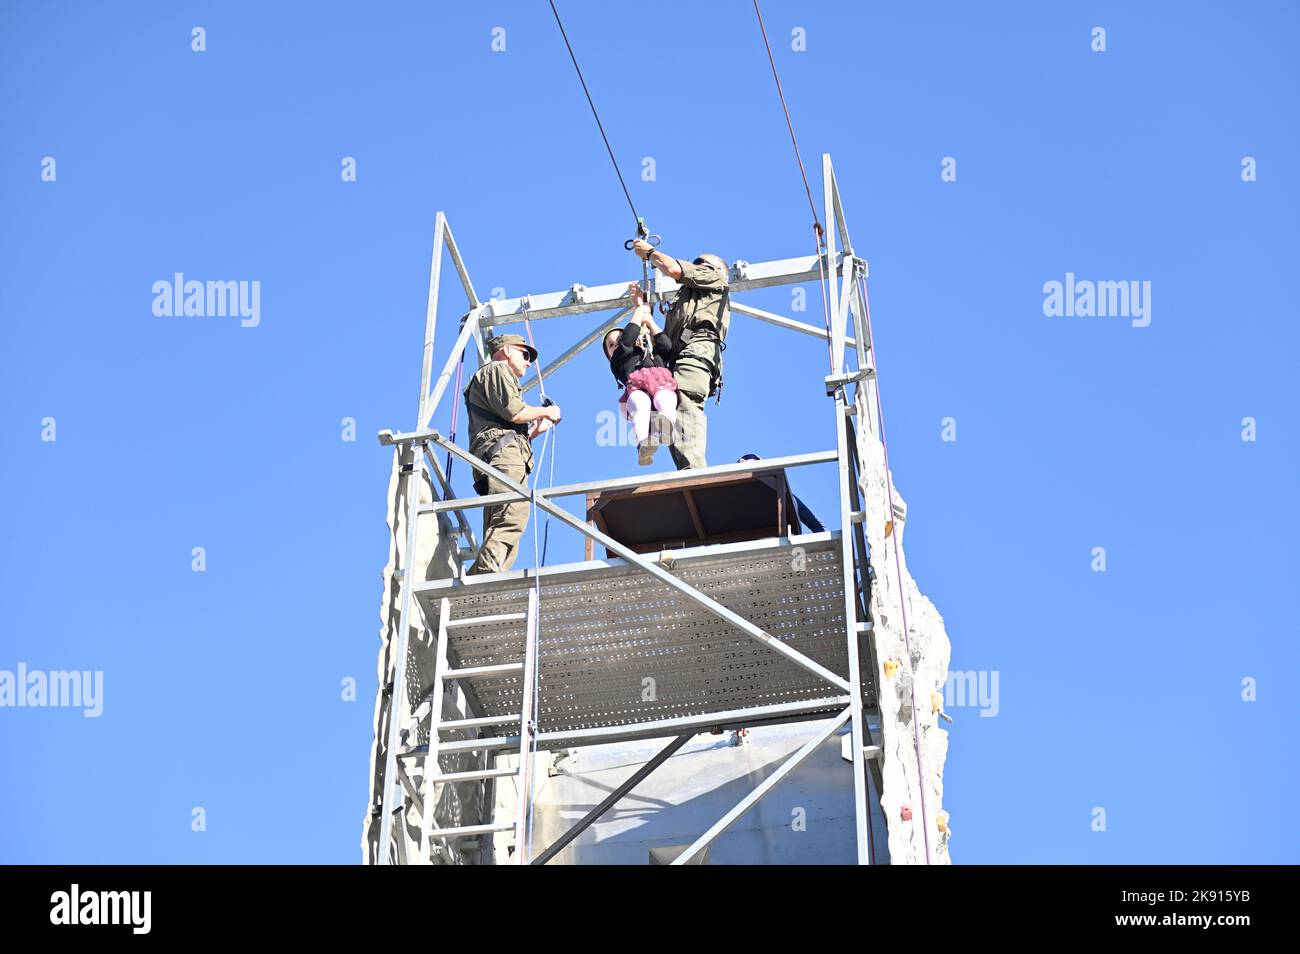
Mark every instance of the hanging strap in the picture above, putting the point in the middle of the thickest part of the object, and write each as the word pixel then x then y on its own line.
pixel 455 413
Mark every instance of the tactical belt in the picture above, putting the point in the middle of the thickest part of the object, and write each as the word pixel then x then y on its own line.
pixel 517 432
pixel 500 444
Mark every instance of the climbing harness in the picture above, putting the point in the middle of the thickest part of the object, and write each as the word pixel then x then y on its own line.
pixel 686 335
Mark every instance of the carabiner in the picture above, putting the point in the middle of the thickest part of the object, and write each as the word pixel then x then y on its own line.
pixel 654 241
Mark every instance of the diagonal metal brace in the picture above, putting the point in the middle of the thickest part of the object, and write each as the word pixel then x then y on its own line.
pixel 613 798
pixel 748 802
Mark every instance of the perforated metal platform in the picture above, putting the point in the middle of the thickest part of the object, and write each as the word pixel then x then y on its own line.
pixel 619 648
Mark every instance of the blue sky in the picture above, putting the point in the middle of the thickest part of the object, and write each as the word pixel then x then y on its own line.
pixel 1120 690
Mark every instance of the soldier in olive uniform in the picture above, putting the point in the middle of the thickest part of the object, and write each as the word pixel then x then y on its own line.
pixel 501 429
pixel 697 326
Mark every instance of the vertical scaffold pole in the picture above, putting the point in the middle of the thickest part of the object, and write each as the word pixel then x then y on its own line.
pixel 398 681
pixel 527 730
pixel 431 318
pixel 413 481
pixel 857 727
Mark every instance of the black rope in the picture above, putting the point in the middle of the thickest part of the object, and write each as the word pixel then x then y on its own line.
pixel 817 225
pixel 599 125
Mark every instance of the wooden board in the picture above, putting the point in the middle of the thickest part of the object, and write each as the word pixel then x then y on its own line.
pixel 689 511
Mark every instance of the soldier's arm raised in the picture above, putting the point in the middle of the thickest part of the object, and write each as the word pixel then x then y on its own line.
pixel 665 263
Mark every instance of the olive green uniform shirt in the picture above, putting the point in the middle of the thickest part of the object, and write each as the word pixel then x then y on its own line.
pixel 699 312
pixel 495 389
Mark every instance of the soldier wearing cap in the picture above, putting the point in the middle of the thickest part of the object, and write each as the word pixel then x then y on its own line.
pixel 501 429
pixel 697 327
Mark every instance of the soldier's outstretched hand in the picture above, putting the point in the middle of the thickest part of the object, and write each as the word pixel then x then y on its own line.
pixel 642 248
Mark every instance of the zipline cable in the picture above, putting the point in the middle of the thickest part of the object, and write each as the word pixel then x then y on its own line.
pixel 641 229
pixel 817 224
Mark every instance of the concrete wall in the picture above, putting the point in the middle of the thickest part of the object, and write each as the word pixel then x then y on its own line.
pixel 806 819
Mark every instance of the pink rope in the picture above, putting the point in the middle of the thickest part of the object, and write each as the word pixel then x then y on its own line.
pixel 455 412
pixel 898 570
pixel 541 384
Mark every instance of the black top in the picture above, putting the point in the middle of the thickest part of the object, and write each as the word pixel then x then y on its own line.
pixel 629 357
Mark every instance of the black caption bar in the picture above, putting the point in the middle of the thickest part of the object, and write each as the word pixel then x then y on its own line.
pixel 306 903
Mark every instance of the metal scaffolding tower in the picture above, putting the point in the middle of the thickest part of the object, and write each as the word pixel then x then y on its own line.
pixel 732 634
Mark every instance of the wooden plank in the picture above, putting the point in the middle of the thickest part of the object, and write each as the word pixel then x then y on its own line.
pixel 689 527
pixel 589 545
pixel 695 514
pixel 670 486
pixel 780 507
pixel 739 537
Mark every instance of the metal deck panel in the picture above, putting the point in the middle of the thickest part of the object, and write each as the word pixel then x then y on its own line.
pixel 620 648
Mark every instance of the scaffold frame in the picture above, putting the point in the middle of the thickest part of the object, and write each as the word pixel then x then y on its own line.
pixel 846 698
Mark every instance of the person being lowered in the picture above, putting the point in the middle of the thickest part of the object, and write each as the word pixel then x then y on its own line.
pixel 696 327
pixel 638 357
